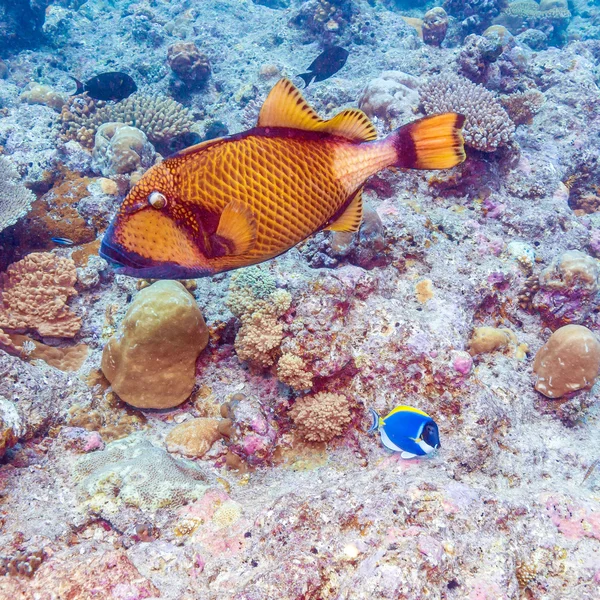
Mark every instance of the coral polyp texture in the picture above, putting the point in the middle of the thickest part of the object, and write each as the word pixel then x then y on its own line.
pixel 34 293
pixel 487 125
pixel 15 198
pixel 567 362
pixel 151 360
pixel 321 417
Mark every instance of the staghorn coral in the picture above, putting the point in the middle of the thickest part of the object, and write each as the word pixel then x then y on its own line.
pixel 161 119
pixel 291 370
pixel 133 472
pixel 15 198
pixel 567 362
pixel 321 417
pixel 34 294
pixel 254 298
pixel 487 125
pixel 151 360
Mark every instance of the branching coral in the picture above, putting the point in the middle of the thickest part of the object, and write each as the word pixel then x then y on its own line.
pixel 487 124
pixel 291 370
pixel 161 119
pixel 34 294
pixel 321 417
pixel 254 298
pixel 15 198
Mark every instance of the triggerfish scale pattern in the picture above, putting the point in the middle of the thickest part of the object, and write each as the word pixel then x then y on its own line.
pixel 241 200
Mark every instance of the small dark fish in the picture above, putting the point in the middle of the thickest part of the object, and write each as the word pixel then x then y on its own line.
pixel 328 63
pixel 107 86
pixel 62 241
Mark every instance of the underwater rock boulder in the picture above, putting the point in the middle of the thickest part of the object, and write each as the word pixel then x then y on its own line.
pixel 567 362
pixel 151 360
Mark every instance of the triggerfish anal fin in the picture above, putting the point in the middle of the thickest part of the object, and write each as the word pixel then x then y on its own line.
pixel 286 107
pixel 351 218
pixel 237 226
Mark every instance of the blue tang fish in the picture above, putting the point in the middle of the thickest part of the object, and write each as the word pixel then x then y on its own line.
pixel 407 430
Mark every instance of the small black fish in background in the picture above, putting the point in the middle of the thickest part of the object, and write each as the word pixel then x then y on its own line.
pixel 328 63
pixel 62 241
pixel 107 86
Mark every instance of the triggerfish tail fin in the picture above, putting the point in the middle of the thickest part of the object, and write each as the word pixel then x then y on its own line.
pixel 434 142
pixel 79 85
pixel 376 419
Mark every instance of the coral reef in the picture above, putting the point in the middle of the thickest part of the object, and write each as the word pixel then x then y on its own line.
pixel 487 126
pixel 435 25
pixel 291 370
pixel 133 472
pixel 120 149
pixel 474 15
pixel 193 438
pixel 191 67
pixel 321 417
pixel 161 119
pixel 34 294
pixel 254 298
pixel 37 93
pixel 567 362
pixel 15 199
pixel 151 360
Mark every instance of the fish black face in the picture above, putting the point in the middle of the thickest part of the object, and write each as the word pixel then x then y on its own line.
pixel 431 435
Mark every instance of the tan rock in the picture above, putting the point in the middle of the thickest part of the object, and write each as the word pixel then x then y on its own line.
pixel 193 438
pixel 567 362
pixel 151 360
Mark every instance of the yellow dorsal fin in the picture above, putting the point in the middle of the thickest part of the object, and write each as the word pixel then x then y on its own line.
pixel 351 218
pixel 352 124
pixel 285 107
pixel 237 226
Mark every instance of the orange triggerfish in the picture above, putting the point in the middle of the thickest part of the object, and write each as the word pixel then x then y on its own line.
pixel 243 199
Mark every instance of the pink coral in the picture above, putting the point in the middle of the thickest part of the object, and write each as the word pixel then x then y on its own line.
pixel 34 294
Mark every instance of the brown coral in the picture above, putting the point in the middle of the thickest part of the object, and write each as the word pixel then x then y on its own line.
pixel 188 63
pixel 193 438
pixel 291 370
pixel 321 417
pixel 34 294
pixel 567 362
pixel 487 125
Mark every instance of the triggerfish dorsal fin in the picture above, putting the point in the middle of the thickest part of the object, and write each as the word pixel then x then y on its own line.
pixel 237 226
pixel 351 218
pixel 351 124
pixel 286 107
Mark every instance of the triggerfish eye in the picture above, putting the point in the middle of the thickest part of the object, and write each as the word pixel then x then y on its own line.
pixel 407 430
pixel 157 200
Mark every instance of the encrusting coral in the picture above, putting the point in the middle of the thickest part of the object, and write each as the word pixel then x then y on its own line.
pixel 15 198
pixel 151 360
pixel 255 299
pixel 188 63
pixel 194 437
pixel 487 125
pixel 34 294
pixel 321 417
pixel 567 362
pixel 133 472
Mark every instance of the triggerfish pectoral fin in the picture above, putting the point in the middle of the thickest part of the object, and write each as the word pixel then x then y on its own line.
pixel 237 226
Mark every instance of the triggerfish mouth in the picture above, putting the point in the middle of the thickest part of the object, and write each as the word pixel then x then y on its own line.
pixel 240 200
pixel 407 430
